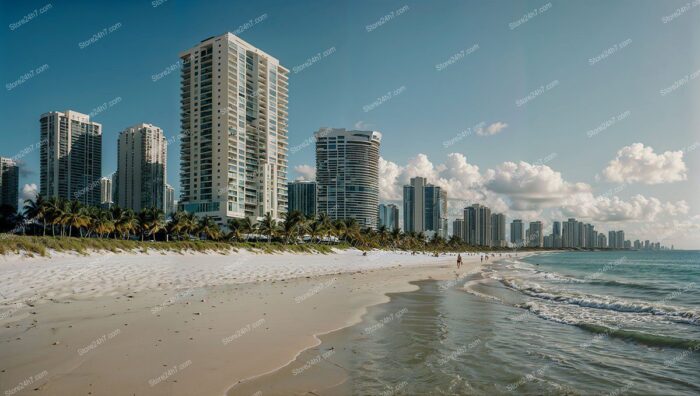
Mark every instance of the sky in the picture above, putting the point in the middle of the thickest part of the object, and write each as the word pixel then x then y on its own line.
pixel 542 110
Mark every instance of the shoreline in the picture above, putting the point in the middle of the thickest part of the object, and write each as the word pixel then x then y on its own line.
pixel 411 285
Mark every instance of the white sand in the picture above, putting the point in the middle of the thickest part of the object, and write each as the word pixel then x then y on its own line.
pixel 104 273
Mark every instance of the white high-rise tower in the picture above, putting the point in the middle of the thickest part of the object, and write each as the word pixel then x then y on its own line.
pixel 234 100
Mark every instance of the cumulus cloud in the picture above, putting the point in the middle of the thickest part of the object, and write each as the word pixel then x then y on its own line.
pixel 305 172
pixel 616 209
pixel 492 129
pixel 461 180
pixel 531 187
pixel 639 164
pixel 29 191
pixel 389 188
pixel 458 177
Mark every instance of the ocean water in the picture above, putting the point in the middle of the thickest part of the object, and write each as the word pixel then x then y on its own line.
pixel 580 323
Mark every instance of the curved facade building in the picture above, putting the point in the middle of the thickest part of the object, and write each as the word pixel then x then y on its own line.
pixel 347 174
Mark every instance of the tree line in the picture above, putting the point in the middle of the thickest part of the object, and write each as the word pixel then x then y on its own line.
pixel 69 218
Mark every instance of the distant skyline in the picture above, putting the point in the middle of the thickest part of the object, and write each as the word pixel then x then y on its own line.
pixel 540 110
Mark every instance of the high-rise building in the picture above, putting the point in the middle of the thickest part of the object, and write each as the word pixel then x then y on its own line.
pixel 414 205
pixel 233 153
pixel 612 239
pixel 536 234
pixel 388 216
pixel 169 199
pixel 477 219
pixel 594 239
pixel 71 157
pixel 620 240
pixel 141 170
pixel 435 210
pixel 106 192
pixel 602 241
pixel 424 207
pixel 516 232
pixel 581 241
pixel 549 241
pixel 637 244
pixel 458 229
pixel 646 245
pixel 347 174
pixel 302 197
pixel 498 230
pixel 570 233
pixel 588 230
pixel 556 234
pixel 9 182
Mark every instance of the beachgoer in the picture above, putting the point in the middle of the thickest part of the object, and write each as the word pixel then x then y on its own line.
pixel 459 261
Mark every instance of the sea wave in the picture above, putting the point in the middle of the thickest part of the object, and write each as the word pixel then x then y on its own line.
pixel 654 340
pixel 679 314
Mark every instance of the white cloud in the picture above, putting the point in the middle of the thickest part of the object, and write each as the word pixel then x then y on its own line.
pixel 456 176
pixel 389 188
pixel 306 172
pixel 614 209
pixel 531 187
pixel 29 191
pixel 363 126
pixel 639 164
pixel 492 129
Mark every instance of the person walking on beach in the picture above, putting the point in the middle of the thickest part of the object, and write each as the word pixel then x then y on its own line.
pixel 459 260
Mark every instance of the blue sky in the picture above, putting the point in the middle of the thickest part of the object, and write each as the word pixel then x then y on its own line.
pixel 431 107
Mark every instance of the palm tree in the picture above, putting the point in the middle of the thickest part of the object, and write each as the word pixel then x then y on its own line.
pixel 353 233
pixel 190 224
pixel 235 227
pixel 268 226
pixel 326 224
pixel 175 225
pixel 127 223
pixel 303 227
pixel 143 218
pixel 291 223
pixel 54 212
pixel 74 216
pixel 341 229
pixel 209 228
pixel 103 223
pixel 454 241
pixel 396 235
pixel 247 226
pixel 151 221
pixel 383 232
pixel 37 209
pixel 315 229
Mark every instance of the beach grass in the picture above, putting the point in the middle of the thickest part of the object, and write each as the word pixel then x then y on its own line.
pixel 37 245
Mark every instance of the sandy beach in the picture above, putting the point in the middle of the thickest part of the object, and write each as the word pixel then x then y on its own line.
pixel 172 324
